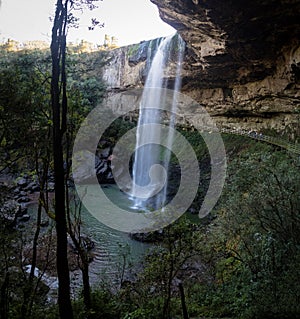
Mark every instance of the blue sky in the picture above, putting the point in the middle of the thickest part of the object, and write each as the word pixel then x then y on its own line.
pixel 131 21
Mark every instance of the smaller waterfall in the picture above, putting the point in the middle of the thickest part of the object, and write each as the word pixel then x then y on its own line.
pixel 151 161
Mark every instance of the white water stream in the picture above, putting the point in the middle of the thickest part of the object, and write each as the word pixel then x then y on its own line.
pixel 151 162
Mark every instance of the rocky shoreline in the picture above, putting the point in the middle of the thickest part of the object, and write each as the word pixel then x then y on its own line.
pixel 19 195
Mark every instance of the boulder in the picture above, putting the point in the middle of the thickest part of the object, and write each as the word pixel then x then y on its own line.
pixel 45 223
pixel 51 186
pixel 22 182
pixel 9 212
pixel 16 191
pixel 32 187
pixel 24 218
pixel 102 167
pixel 22 210
pixel 82 171
pixel 22 193
pixel 88 166
pixel 23 199
pixel 105 153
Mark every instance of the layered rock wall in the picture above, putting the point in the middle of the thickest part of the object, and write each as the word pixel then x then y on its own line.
pixel 242 62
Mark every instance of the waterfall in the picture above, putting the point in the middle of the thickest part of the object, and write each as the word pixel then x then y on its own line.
pixel 151 161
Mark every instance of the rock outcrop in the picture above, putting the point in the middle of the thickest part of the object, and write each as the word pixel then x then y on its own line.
pixel 242 61
pixel 127 67
pixel 232 41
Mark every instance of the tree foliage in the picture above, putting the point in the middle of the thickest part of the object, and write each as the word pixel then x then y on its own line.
pixel 256 236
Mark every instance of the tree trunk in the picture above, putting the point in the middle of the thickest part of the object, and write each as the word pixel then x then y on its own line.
pixel 58 47
pixel 86 285
pixel 183 304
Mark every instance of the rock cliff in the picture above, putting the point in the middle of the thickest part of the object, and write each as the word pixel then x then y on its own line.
pixel 242 61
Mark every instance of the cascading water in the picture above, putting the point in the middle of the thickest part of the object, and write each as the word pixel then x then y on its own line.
pixel 146 172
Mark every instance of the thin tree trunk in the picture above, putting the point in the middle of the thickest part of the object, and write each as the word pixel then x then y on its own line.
pixel 183 304
pixel 86 285
pixel 59 124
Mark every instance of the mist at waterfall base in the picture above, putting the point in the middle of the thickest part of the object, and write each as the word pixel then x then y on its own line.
pixel 151 161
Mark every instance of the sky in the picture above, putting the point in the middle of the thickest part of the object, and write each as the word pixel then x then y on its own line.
pixel 130 21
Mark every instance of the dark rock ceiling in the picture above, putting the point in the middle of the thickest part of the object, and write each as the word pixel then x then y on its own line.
pixel 232 41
